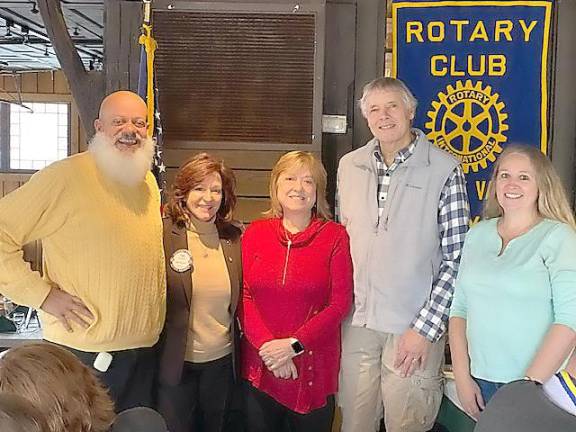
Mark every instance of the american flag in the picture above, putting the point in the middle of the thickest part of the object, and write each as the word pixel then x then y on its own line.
pixel 158 167
pixel 149 92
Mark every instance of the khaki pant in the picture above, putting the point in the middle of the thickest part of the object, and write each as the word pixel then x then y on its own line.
pixel 369 383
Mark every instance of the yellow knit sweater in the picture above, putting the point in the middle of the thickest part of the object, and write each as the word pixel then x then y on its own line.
pixel 102 242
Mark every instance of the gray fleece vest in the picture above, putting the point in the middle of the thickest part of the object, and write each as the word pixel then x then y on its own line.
pixel 397 257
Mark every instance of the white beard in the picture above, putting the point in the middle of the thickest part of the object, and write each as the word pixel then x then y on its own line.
pixel 126 168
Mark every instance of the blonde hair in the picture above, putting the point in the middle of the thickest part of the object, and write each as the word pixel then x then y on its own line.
pixel 61 386
pixel 552 202
pixel 298 159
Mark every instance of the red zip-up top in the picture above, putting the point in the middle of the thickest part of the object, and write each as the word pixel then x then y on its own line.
pixel 295 285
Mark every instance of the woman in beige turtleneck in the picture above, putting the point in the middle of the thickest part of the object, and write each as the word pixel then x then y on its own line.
pixel 203 268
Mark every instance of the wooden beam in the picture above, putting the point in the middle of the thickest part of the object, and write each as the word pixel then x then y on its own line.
pixel 87 87
pixel 562 127
pixel 121 33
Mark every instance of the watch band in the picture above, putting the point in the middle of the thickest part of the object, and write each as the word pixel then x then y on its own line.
pixel 297 346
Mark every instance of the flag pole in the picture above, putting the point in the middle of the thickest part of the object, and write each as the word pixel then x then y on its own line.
pixel 149 44
pixel 147 4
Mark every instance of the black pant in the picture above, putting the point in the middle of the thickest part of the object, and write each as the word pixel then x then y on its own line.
pixel 131 377
pixel 264 414
pixel 201 401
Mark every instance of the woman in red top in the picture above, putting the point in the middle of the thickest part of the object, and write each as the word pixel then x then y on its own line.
pixel 297 291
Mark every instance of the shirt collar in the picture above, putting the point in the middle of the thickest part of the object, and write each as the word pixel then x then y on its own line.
pixel 402 155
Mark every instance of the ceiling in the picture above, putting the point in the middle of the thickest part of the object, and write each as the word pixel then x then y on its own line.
pixel 24 43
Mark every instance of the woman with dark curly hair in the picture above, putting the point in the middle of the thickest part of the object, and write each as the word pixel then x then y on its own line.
pixel 203 265
pixel 66 391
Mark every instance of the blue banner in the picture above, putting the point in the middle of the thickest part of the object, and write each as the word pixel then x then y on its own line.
pixel 479 72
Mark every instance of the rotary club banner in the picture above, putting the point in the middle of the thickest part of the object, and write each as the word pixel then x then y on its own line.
pixel 479 72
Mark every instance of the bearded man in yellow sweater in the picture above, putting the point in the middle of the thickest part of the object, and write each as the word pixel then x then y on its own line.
pixel 97 213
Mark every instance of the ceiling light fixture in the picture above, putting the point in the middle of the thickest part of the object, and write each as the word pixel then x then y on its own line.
pixel 34 9
pixel 46 53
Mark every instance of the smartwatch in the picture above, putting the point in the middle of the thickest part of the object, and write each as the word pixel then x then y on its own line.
pixel 297 347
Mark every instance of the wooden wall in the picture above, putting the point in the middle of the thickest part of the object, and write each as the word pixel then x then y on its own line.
pixel 10 182
pixel 251 167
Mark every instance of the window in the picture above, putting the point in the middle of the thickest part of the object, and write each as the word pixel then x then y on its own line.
pixel 36 137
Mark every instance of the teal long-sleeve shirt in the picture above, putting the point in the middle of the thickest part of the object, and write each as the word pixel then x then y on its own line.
pixel 510 300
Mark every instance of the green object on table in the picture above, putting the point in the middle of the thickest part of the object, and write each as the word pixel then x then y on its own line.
pixel 453 419
pixel 7 326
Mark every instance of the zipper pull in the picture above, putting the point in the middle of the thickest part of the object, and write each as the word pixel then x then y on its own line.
pixel 286 262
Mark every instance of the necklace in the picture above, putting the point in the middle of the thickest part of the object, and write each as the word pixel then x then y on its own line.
pixel 205 248
pixel 201 244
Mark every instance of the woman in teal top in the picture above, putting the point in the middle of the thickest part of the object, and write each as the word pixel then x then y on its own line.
pixel 514 308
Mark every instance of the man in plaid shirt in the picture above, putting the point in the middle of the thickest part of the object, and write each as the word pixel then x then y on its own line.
pixel 403 202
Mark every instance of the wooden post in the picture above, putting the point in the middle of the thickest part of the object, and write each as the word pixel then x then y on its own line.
pixel 123 20
pixel 563 104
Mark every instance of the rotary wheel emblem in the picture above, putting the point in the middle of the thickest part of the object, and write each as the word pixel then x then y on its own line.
pixel 469 122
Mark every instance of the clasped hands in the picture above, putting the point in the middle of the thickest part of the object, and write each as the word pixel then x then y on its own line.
pixel 277 355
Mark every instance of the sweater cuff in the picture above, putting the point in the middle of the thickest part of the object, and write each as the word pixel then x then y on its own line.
pixel 33 296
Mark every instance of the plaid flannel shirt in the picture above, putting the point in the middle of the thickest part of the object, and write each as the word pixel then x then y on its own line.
pixel 453 219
